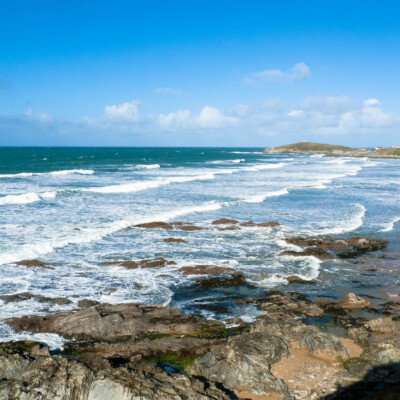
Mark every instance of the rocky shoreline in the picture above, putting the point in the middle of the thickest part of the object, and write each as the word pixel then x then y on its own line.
pixel 328 150
pixel 297 349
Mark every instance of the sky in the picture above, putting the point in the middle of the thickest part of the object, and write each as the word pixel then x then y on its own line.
pixel 253 73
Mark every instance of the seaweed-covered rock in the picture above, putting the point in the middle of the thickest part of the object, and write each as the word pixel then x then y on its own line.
pixel 236 279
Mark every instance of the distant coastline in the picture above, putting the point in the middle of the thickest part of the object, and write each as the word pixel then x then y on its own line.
pixel 334 150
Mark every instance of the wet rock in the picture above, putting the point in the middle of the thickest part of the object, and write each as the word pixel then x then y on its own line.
pixel 119 321
pixel 53 300
pixel 155 225
pixel 248 223
pixel 243 364
pixel 224 221
pixel 218 309
pixel 310 251
pixel 17 297
pixel 125 264
pixel 362 244
pixel 283 306
pixel 28 377
pixel 86 303
pixel 205 270
pixel 155 263
pixel 297 279
pixel 34 263
pixel 148 347
pixel 317 341
pixel 345 248
pixel 190 228
pixel 229 228
pixel 271 224
pixel 236 279
pixel 173 240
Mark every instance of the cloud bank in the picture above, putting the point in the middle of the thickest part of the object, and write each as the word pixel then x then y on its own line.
pixel 319 118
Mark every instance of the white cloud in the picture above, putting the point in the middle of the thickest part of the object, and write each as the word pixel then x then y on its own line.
pixel 209 117
pixel 299 71
pixel 296 113
pixel 169 91
pixel 371 102
pixel 123 112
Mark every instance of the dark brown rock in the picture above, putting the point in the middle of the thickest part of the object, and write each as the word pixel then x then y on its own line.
pixel 155 225
pixel 205 269
pixel 34 263
pixel 86 303
pixel 224 221
pixel 125 264
pixel 173 240
pixel 310 251
pixel 271 224
pixel 53 300
pixel 236 279
pixel 190 228
pixel 17 297
pixel 248 223
pixel 229 228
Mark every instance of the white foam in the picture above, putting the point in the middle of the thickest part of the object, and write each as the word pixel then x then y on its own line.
pixel 246 152
pixel 261 197
pixel 237 161
pixel 148 166
pixel 62 172
pixel 33 250
pixel 390 225
pixel 26 198
pixel 144 185
pixel 348 225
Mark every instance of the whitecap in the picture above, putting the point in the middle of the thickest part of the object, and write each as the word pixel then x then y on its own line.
pixel 390 225
pixel 261 197
pixel 26 198
pixel 148 166
pixel 61 172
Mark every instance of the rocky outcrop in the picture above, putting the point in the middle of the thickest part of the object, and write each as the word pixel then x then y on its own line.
pixel 236 279
pixel 119 321
pixel 282 306
pixel 158 262
pixel 28 372
pixel 173 240
pixel 205 270
pixel 35 264
pixel 243 363
pixel 317 341
pixel 325 248
pixel 350 301
pixel 224 221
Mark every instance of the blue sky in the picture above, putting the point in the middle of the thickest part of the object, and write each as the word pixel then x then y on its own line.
pixel 199 73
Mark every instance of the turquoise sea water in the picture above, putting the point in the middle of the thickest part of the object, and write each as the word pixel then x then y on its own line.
pixel 77 207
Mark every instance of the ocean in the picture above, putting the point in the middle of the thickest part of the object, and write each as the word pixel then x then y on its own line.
pixel 77 208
